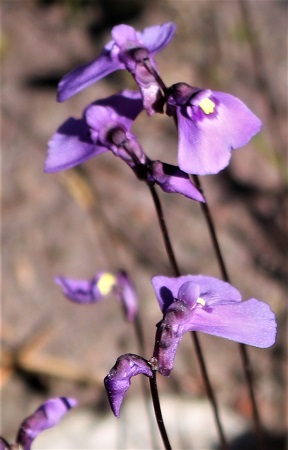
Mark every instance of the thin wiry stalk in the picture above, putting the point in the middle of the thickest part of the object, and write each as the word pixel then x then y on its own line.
pixel 242 348
pixel 199 352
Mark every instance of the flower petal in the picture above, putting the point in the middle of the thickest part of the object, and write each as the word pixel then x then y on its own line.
pixel 205 144
pixel 203 148
pixel 118 380
pixel 157 37
pixel 124 35
pixel 71 145
pixel 172 179
pixel 212 290
pixel 127 295
pixel 86 74
pixel 251 322
pixel 47 416
pixel 87 291
pixel 118 109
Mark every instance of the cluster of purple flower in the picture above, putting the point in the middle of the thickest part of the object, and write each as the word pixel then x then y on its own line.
pixel 210 125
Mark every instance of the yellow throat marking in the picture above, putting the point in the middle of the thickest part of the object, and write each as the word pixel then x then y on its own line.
pixel 207 105
pixel 201 301
pixel 106 283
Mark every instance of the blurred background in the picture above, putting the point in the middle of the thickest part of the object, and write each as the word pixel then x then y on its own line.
pixel 99 216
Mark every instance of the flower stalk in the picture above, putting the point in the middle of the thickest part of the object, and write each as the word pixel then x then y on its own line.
pixel 245 360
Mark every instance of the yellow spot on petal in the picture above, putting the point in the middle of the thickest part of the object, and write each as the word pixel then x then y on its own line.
pixel 106 283
pixel 201 301
pixel 207 105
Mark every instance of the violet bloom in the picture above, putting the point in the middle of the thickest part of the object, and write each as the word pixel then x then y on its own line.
pixel 200 303
pixel 46 416
pixel 131 50
pixel 106 125
pixel 118 380
pixel 101 285
pixel 210 125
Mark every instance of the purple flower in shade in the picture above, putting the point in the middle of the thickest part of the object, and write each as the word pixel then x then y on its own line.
pixel 102 284
pixel 46 416
pixel 118 380
pixel 210 125
pixel 131 50
pixel 200 303
pixel 106 125
pixel 78 140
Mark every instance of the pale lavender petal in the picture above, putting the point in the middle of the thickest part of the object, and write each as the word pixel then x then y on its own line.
pixel 118 380
pixel 171 179
pixel 71 145
pixel 212 290
pixel 124 35
pixel 156 38
pixel 47 416
pixel 203 147
pixel 206 139
pixel 86 74
pixel 251 322
pixel 240 122
pixel 127 295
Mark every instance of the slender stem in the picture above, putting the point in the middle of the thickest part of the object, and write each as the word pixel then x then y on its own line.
pixel 141 344
pixel 165 234
pixel 199 353
pixel 158 412
pixel 242 348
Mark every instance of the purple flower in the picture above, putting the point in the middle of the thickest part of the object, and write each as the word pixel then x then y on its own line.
pixel 47 416
pixel 106 125
pixel 78 140
pixel 131 50
pixel 200 303
pixel 210 125
pixel 118 380
pixel 101 285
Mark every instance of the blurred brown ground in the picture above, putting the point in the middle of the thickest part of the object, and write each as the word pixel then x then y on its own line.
pixel 80 221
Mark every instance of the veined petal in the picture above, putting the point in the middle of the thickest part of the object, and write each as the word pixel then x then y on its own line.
pixel 171 179
pixel 118 380
pixel 212 290
pixel 211 124
pixel 47 416
pixel 157 37
pixel 86 74
pixel 240 122
pixel 203 146
pixel 250 322
pixel 71 145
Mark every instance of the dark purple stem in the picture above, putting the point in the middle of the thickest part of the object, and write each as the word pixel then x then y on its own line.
pixel 199 353
pixel 158 412
pixel 141 344
pixel 242 348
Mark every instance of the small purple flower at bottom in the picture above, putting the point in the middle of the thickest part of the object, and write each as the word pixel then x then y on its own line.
pixel 131 50
pixel 98 287
pixel 209 305
pixel 118 380
pixel 45 417
pixel 210 125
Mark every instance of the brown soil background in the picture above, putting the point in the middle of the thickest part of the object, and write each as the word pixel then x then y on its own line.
pixel 101 217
